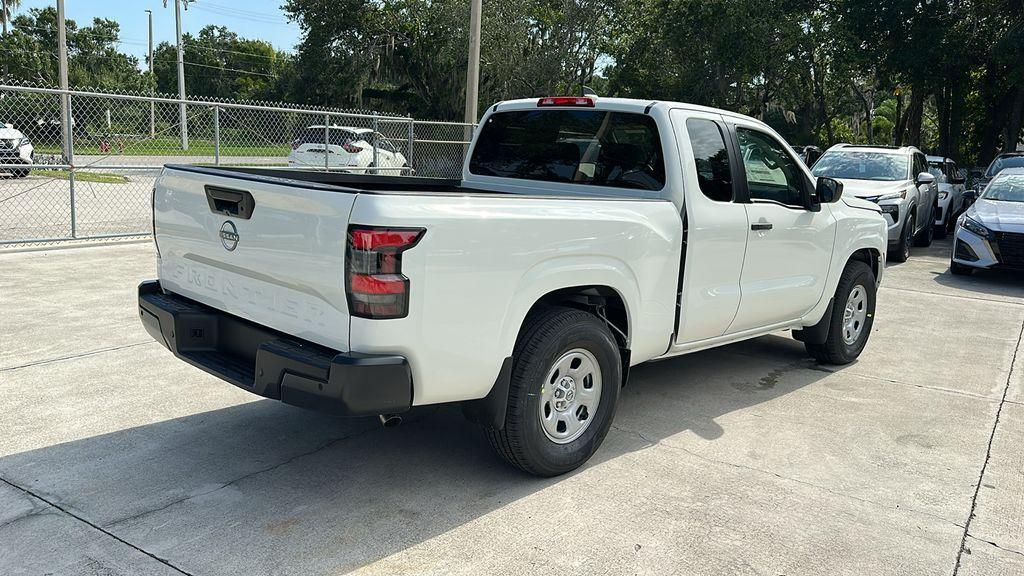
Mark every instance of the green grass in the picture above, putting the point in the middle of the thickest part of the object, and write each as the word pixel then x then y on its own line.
pixel 162 146
pixel 80 176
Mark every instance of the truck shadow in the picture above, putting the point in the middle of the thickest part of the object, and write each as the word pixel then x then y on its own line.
pixel 262 487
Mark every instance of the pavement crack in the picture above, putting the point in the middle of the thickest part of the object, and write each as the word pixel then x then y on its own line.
pixel 246 476
pixel 988 455
pixel 73 356
pixel 781 477
pixel 1010 550
pixel 94 526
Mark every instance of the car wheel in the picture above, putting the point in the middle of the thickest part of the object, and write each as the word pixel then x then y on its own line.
pixel 566 375
pixel 942 228
pixel 902 251
pixel 959 269
pixel 924 238
pixel 23 173
pixel 852 316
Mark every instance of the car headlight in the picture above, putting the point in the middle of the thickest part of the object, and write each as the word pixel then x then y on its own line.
pixel 943 194
pixel 892 210
pixel 893 196
pixel 975 227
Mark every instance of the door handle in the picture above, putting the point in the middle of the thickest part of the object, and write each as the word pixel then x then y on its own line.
pixel 761 226
pixel 237 203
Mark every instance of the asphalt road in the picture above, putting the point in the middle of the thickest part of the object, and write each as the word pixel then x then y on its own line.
pixel 116 458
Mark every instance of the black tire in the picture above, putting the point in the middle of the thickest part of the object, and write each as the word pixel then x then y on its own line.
pixel 902 251
pixel 23 173
pixel 924 238
pixel 546 336
pixel 835 349
pixel 942 229
pixel 959 269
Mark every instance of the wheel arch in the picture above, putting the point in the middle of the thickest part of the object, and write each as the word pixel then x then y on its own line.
pixel 603 301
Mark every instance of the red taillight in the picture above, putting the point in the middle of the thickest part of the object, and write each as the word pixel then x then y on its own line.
pixel 295 144
pixel 377 288
pixel 351 149
pixel 578 101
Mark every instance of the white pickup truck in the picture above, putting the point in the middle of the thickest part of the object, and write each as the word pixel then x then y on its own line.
pixel 585 236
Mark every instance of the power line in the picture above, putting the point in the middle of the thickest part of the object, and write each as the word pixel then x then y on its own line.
pixel 198 46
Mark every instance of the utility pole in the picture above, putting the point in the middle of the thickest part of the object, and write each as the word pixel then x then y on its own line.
pixel 66 121
pixel 3 12
pixel 65 100
pixel 152 80
pixel 182 118
pixel 473 68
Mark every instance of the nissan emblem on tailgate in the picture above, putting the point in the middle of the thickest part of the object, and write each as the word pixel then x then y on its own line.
pixel 229 235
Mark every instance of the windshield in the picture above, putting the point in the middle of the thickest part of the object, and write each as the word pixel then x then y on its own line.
pixel 862 165
pixel 592 147
pixel 1008 188
pixel 1000 164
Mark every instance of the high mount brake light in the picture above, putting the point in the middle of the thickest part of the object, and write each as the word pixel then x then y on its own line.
pixel 575 101
pixel 375 285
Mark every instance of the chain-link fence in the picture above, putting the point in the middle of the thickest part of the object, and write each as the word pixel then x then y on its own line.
pixel 98 184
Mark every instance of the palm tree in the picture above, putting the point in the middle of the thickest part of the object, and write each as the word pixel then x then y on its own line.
pixel 6 7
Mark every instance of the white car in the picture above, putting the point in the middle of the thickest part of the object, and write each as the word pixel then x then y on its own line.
pixel 895 178
pixel 15 149
pixel 951 193
pixel 585 236
pixel 359 150
pixel 990 234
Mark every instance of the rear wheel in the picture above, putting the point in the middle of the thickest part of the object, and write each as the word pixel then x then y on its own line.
pixel 20 173
pixel 566 375
pixel 852 317
pixel 924 238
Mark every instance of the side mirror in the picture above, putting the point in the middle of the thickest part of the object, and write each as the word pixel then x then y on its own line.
pixel 970 196
pixel 828 190
pixel 925 178
pixel 959 180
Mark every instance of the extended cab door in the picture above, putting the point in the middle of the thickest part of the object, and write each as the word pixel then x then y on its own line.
pixel 715 227
pixel 789 247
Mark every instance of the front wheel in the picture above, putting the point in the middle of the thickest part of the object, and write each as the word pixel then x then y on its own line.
pixel 959 269
pixel 853 313
pixel 902 251
pixel 566 375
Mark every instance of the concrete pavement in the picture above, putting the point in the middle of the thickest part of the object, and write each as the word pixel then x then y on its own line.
pixel 117 458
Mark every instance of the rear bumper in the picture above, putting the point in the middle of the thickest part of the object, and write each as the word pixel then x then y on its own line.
pixel 272 364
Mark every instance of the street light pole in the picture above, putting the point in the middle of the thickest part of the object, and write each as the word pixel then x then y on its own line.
pixel 65 103
pixel 152 80
pixel 473 68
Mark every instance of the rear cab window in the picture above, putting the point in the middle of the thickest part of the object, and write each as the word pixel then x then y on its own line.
pixel 586 147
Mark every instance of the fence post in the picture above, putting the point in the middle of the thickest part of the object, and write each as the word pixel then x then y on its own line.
pixel 375 143
pixel 327 141
pixel 412 135
pixel 71 162
pixel 216 135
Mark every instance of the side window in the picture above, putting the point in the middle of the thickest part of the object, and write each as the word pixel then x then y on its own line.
pixel 772 174
pixel 709 152
pixel 919 165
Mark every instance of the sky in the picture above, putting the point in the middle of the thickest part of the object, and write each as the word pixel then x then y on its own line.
pixel 258 19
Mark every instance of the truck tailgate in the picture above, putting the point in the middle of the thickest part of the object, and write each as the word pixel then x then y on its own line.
pixel 272 251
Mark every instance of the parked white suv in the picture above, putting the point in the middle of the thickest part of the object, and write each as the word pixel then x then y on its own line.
pixel 349 149
pixel 585 236
pixel 15 151
pixel 952 185
pixel 897 179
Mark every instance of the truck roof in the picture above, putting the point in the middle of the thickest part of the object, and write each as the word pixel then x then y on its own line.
pixel 634 105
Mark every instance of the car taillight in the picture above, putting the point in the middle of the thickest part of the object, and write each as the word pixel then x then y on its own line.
pixel 579 101
pixel 375 285
pixel 351 149
pixel 295 144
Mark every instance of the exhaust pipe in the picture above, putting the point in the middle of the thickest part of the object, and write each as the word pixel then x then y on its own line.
pixel 390 420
